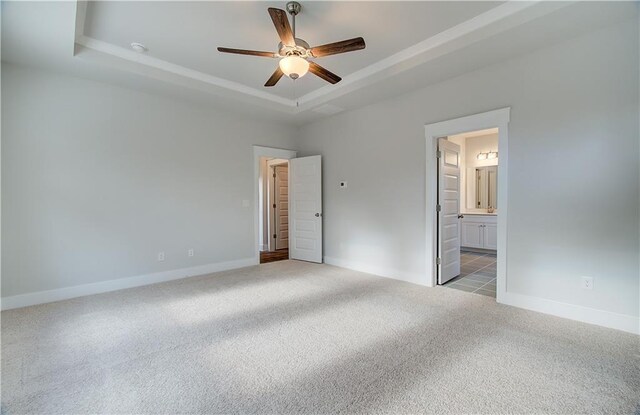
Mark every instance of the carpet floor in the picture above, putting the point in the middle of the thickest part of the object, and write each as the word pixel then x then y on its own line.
pixel 292 337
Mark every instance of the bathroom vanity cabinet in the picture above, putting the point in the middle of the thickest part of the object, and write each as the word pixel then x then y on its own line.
pixel 479 231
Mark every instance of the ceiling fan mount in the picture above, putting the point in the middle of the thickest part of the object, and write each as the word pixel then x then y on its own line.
pixel 293 7
pixel 295 53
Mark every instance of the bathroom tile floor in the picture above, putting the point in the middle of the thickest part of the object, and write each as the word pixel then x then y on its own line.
pixel 477 274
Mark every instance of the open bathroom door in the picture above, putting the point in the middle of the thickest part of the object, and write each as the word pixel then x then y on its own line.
pixel 448 210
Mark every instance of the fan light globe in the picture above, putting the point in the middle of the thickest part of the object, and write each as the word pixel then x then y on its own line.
pixel 294 66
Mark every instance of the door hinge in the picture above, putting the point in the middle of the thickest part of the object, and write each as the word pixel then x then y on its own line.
pixel 274 175
pixel 438 208
pixel 437 261
pixel 275 236
pixel 438 153
pixel 274 205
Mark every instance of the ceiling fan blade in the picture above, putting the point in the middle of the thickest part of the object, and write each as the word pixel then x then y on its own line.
pixel 338 47
pixel 328 76
pixel 247 52
pixel 281 22
pixel 275 77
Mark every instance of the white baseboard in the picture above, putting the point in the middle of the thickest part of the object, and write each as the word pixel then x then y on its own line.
pixel 630 324
pixel 624 322
pixel 41 297
pixel 395 274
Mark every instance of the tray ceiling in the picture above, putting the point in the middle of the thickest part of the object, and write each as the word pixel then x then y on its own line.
pixel 187 33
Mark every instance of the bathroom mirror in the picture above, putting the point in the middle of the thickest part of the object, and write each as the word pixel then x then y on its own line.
pixel 482 191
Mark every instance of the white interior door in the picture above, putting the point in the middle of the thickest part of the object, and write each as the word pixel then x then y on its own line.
pixel 448 210
pixel 305 212
pixel 281 206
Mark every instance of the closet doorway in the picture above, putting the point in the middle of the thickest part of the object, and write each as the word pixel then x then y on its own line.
pixel 275 212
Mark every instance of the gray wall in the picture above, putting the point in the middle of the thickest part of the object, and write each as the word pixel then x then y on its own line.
pixel 96 180
pixel 573 170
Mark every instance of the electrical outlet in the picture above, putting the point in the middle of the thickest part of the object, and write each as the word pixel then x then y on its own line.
pixel 160 256
pixel 343 185
pixel 190 252
pixel 587 283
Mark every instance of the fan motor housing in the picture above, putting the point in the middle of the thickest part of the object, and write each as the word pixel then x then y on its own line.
pixel 300 49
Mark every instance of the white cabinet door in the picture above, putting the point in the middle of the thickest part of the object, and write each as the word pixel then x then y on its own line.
pixel 490 236
pixel 472 234
pixel 305 213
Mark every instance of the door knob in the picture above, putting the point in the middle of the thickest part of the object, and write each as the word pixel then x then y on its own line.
pixel 318 215
pixel 460 216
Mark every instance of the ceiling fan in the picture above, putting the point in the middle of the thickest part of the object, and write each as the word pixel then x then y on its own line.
pixel 295 53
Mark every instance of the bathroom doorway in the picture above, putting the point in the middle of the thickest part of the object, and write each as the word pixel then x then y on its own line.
pixel 466 200
pixel 476 216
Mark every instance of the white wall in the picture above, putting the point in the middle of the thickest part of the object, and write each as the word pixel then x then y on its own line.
pixel 573 171
pixel 96 180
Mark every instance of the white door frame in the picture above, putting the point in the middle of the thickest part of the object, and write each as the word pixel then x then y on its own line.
pixel 260 151
pixel 492 119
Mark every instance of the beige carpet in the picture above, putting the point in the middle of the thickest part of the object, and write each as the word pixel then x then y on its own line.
pixel 292 337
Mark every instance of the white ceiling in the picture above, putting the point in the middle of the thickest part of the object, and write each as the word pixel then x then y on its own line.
pixel 409 45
